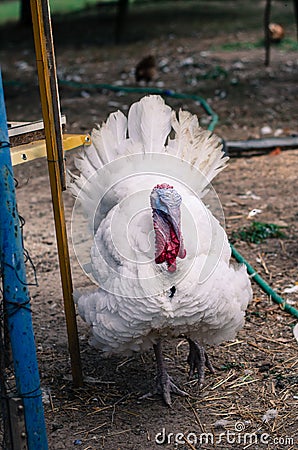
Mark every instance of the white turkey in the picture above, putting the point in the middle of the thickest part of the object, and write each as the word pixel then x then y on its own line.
pixel 159 256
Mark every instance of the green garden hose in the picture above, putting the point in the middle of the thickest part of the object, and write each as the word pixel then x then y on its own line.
pixel 264 286
pixel 146 90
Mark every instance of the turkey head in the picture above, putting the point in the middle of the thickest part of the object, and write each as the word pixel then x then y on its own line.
pixel 165 203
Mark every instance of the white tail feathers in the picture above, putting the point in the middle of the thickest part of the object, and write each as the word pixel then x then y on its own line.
pixel 149 122
pixel 197 146
pixel 146 130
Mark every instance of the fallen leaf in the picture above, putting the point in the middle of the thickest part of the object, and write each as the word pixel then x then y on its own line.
pixel 291 290
pixel 276 151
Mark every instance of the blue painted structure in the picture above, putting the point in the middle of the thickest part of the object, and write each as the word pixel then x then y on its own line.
pixel 16 297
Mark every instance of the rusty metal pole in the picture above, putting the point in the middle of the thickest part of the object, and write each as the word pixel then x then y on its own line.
pixel 51 115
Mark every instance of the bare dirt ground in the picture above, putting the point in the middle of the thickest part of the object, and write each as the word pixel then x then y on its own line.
pixel 210 52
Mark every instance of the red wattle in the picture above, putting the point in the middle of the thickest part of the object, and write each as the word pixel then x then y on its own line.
pixel 167 250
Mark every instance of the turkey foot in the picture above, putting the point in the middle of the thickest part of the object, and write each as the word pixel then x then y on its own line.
pixel 197 360
pixel 164 383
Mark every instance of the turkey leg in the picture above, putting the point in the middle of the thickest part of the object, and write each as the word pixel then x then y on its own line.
pixel 197 360
pixel 165 384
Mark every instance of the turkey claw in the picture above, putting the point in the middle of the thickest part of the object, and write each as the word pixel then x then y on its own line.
pixel 165 386
pixel 197 360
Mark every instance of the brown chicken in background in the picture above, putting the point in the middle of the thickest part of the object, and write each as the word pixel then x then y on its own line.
pixel 146 69
pixel 276 32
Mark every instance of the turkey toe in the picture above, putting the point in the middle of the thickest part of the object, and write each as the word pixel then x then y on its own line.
pixel 164 383
pixel 165 387
pixel 197 360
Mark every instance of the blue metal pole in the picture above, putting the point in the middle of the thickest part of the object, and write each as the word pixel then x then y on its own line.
pixel 16 297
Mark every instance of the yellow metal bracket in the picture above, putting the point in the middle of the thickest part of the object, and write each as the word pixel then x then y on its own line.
pixel 37 149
